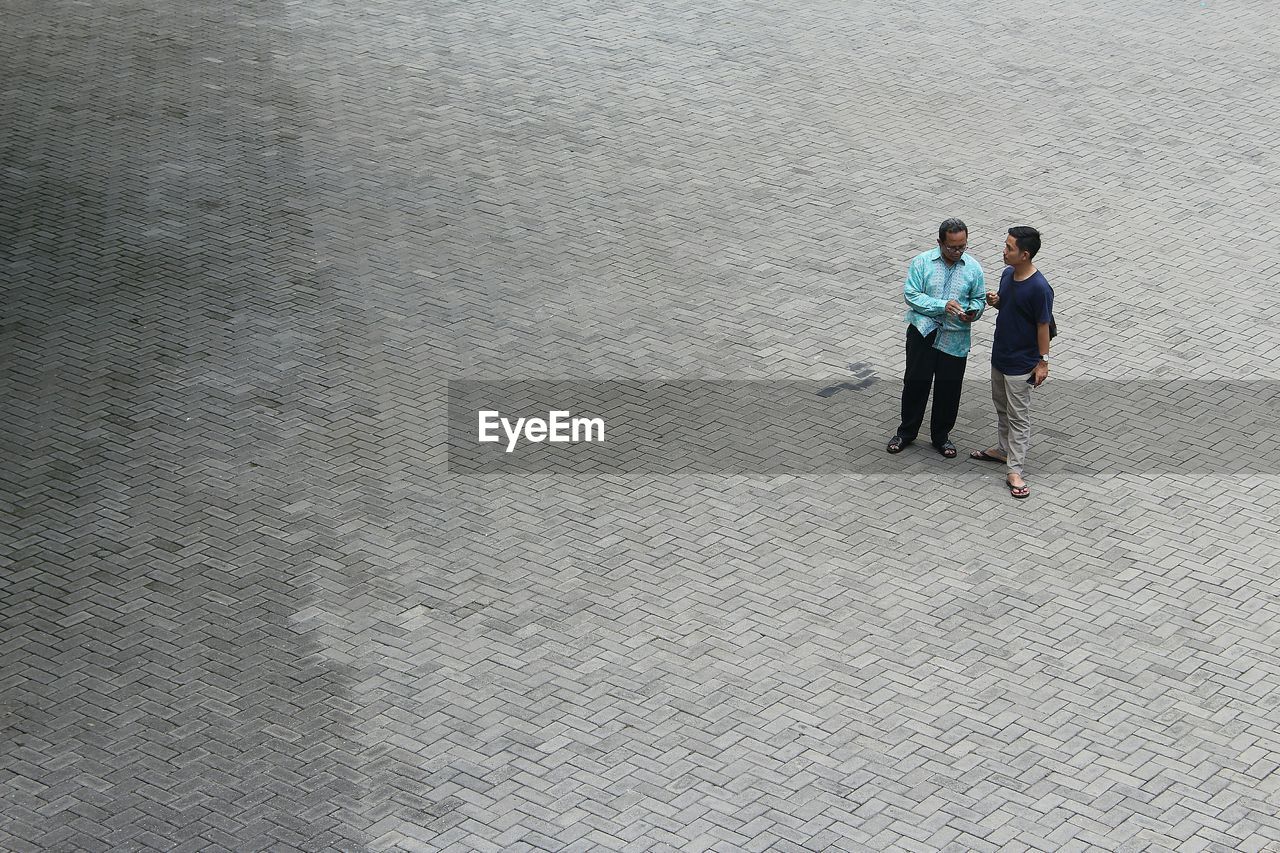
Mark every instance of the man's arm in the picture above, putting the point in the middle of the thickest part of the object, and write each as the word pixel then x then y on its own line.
pixel 1041 371
pixel 976 298
pixel 913 292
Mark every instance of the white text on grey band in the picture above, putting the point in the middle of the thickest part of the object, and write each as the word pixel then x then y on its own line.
pixel 558 428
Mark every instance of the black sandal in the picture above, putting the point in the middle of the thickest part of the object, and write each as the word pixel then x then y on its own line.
pixel 947 449
pixel 896 444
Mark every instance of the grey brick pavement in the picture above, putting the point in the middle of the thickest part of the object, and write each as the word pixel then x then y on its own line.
pixel 245 605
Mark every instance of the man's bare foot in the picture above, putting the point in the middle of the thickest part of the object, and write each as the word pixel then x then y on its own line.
pixel 1017 486
pixel 991 454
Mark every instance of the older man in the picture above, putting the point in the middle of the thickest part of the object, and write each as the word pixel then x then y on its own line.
pixel 945 292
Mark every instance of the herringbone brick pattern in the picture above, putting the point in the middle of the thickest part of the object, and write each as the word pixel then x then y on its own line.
pixel 246 605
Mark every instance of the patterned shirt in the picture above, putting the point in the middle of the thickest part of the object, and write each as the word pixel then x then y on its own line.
pixel 931 283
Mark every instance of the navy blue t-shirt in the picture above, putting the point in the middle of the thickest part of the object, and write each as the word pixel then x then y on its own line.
pixel 1023 304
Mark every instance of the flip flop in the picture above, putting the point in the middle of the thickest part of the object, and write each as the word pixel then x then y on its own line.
pixel 985 456
pixel 1019 492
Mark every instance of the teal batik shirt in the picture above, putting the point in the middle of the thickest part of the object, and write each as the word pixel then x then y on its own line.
pixel 931 283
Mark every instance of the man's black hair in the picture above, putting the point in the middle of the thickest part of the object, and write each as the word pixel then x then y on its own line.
pixel 1027 239
pixel 951 226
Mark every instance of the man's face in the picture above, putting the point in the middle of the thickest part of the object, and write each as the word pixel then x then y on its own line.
pixel 953 246
pixel 1012 254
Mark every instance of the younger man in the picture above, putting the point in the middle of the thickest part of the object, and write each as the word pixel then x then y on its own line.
pixel 1019 352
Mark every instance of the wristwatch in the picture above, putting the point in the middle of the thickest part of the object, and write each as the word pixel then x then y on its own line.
pixel 1045 358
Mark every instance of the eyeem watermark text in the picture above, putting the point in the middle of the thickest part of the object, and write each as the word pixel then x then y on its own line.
pixel 558 428
pixel 836 424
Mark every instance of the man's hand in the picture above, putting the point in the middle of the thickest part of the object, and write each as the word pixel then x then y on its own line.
pixel 1039 374
pixel 993 298
pixel 955 309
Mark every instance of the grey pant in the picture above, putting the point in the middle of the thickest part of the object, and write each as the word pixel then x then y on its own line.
pixel 1012 396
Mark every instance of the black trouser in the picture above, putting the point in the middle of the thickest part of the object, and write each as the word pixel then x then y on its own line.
pixel 928 366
